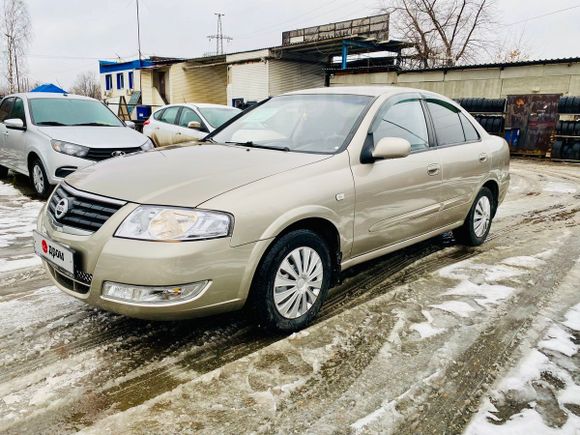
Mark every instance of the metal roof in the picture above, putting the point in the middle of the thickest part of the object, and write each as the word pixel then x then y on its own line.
pixel 500 64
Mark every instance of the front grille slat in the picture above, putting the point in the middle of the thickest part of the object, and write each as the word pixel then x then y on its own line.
pixel 98 154
pixel 85 211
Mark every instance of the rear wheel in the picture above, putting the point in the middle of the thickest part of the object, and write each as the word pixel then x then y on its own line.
pixel 39 179
pixel 292 281
pixel 476 227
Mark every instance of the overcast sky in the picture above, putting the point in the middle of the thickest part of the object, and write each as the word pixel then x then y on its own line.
pixel 69 36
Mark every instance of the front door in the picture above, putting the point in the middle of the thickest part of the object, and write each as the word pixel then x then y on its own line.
pixel 397 199
pixel 185 134
pixel 5 109
pixel 16 138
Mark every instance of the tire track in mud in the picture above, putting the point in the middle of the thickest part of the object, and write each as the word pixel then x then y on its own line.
pixel 448 410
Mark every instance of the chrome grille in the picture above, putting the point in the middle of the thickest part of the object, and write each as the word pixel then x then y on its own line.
pixel 86 211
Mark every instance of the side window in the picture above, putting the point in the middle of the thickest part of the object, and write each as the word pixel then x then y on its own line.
pixel 131 79
pixel 446 122
pixel 188 115
pixel 471 133
pixel 108 82
pixel 18 110
pixel 157 115
pixel 6 108
pixel 170 115
pixel 405 120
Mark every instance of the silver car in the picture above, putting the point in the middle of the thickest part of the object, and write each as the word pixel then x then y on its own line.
pixel 269 209
pixel 177 123
pixel 49 136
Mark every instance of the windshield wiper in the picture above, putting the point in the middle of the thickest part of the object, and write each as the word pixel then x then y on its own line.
pixel 92 124
pixel 52 123
pixel 251 144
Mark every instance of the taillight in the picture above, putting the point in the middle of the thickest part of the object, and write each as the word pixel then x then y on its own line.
pixel 147 122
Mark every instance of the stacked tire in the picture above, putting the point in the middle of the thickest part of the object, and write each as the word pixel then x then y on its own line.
pixel 483 105
pixel 568 128
pixel 569 105
pixel 491 124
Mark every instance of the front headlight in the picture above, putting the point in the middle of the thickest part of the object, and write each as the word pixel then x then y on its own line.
pixel 68 148
pixel 168 224
pixel 149 145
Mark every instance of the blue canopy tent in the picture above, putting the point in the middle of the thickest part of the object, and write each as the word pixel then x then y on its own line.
pixel 49 87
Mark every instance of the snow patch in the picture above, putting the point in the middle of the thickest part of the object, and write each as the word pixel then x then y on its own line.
pixel 524 261
pixel 426 329
pixel 556 187
pixel 488 294
pixel 19 262
pixel 462 309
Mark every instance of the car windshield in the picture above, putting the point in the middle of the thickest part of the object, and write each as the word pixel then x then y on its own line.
pixel 305 123
pixel 217 116
pixel 67 112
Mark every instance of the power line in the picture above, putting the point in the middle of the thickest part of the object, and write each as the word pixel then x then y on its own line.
pixel 543 15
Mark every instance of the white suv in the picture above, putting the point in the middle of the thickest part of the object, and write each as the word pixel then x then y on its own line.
pixel 49 136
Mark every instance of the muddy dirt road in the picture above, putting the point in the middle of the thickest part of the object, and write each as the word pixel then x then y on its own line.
pixel 426 340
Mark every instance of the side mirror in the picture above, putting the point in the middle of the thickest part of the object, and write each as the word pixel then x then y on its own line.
pixel 194 125
pixel 130 124
pixel 391 148
pixel 14 123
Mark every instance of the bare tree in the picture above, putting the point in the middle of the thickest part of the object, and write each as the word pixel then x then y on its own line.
pixel 16 28
pixel 87 84
pixel 445 32
pixel 512 49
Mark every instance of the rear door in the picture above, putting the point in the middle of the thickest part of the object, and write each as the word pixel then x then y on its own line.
pixel 397 199
pixel 464 159
pixel 167 125
pixel 183 133
pixel 5 109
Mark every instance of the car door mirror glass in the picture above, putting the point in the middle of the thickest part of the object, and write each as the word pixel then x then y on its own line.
pixel 14 123
pixel 391 148
pixel 194 125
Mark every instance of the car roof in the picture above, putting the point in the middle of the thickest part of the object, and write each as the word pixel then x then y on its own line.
pixel 371 91
pixel 39 95
pixel 194 105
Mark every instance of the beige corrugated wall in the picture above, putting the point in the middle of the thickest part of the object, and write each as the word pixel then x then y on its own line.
pixel 482 82
pixel 288 76
pixel 189 84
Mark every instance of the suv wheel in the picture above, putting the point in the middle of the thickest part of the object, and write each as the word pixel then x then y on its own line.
pixel 292 281
pixel 39 179
pixel 476 227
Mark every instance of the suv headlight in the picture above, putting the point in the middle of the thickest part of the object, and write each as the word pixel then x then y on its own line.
pixel 68 148
pixel 149 145
pixel 170 224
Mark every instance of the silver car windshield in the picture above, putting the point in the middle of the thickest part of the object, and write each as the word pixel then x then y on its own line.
pixel 217 116
pixel 68 112
pixel 305 123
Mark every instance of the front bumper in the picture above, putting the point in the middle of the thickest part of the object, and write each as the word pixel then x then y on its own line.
pixel 103 257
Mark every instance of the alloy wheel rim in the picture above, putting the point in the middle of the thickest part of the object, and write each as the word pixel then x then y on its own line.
pixel 298 282
pixel 482 216
pixel 38 179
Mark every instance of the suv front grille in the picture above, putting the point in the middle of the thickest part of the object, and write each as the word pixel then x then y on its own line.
pixel 86 211
pixel 98 154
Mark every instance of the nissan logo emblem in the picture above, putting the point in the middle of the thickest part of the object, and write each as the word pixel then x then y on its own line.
pixel 61 208
pixel 118 153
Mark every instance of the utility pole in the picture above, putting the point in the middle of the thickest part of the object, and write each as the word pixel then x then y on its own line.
pixel 139 48
pixel 219 36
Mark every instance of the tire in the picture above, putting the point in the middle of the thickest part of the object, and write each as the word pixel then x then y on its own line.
pixel 557 150
pixel 562 103
pixel 577 128
pixel 3 172
pixel 291 313
pixel 470 233
pixel 39 179
pixel 576 153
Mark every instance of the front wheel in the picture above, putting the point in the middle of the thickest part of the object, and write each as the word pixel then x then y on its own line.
pixel 39 179
pixel 292 281
pixel 476 227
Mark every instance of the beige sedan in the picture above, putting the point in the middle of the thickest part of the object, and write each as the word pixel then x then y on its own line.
pixel 269 210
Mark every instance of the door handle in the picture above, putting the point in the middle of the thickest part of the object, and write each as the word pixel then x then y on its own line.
pixel 178 133
pixel 433 169
pixel 483 157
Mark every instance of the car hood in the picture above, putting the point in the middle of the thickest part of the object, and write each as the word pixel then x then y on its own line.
pixel 97 137
pixel 185 175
